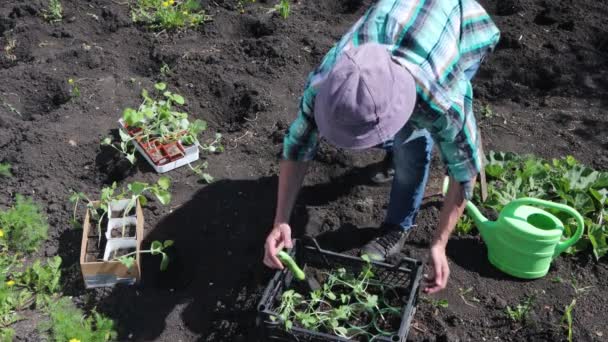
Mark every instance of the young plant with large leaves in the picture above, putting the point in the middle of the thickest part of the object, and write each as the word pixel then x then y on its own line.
pixel 564 180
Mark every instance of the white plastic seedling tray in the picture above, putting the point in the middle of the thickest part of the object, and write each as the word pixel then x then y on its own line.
pixel 115 222
pixel 192 155
pixel 116 244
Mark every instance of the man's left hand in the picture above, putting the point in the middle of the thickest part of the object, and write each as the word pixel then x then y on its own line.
pixel 441 270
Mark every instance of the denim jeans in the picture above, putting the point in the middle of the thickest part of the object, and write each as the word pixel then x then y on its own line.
pixel 411 149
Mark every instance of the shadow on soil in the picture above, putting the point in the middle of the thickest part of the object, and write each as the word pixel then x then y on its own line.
pixel 216 273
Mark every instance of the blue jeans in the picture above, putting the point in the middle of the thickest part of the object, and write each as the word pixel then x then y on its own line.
pixel 411 150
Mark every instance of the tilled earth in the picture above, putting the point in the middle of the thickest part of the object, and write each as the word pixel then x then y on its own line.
pixel 546 86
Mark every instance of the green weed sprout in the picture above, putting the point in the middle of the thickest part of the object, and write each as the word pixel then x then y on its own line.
pixel 156 248
pixel 5 170
pixel 169 14
pixel 567 318
pixel 521 311
pixel 54 12
pixel 68 323
pixel 24 226
pixel 284 8
pixel 74 89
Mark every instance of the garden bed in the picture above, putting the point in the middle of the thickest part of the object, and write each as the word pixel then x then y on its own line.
pixel 545 88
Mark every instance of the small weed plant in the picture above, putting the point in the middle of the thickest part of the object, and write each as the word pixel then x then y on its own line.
pixel 54 11
pixel 565 180
pixel 240 5
pixel 68 323
pixel 41 279
pixel 134 192
pixel 5 170
pixel 162 120
pixel 520 313
pixel 568 319
pixel 74 89
pixel 24 226
pixel 283 8
pixel 169 14
pixel 347 305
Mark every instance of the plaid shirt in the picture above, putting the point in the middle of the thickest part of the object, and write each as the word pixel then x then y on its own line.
pixel 438 41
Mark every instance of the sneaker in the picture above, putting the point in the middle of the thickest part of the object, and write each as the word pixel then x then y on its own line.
pixel 385 172
pixel 388 244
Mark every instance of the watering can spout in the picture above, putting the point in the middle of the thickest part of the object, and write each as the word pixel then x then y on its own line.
pixel 480 221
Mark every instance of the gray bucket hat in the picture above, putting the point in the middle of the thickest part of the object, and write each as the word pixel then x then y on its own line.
pixel 365 99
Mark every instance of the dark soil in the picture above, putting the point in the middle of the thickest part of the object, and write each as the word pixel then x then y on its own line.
pixel 243 73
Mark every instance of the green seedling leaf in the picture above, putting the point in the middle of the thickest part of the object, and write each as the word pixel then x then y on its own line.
pixel 164 182
pixel 156 247
pixel 178 99
pixel 131 158
pixel 131 116
pixel 137 188
pixel 160 86
pixel 106 141
pixel 207 177
pixel 164 263
pixel 142 200
pixel 128 261
pixel 163 196
pixel 168 243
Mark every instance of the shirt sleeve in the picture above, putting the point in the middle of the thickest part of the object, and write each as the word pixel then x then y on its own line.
pixel 455 133
pixel 479 34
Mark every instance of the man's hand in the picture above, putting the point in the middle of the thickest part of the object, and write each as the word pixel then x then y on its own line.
pixel 441 270
pixel 279 238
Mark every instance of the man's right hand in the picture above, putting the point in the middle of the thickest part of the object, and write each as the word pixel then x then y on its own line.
pixel 279 238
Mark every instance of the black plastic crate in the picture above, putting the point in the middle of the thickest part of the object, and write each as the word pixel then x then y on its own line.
pixel 405 275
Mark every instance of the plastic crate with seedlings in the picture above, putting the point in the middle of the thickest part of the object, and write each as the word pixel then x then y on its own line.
pixel 357 299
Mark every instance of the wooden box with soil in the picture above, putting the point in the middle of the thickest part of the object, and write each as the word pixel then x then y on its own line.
pixel 98 254
pixel 163 157
pixel 383 312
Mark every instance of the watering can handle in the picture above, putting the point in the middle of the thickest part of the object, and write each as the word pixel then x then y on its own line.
pixel 580 223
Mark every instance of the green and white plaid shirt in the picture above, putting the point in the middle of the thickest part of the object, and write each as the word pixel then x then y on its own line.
pixel 437 41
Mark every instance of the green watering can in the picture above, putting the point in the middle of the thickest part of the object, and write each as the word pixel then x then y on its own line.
pixel 524 239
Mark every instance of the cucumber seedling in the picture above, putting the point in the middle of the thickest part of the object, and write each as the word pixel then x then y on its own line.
pixel 156 248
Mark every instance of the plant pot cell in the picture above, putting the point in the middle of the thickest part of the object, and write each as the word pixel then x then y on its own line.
pixel 121 252
pixel 129 231
pixel 121 213
pixel 173 150
pixel 91 257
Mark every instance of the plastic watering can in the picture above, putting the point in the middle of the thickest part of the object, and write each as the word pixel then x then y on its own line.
pixel 524 239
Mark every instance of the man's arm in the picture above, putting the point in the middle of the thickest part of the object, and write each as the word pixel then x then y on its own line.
pixel 291 176
pixel 453 207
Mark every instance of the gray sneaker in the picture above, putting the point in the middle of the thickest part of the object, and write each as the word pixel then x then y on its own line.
pixel 388 243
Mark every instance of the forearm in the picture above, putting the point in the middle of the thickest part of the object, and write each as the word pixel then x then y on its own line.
pixel 291 176
pixel 453 207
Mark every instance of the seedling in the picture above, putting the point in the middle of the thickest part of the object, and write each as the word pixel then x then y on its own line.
pixel 159 121
pixel 564 180
pixel 134 192
pixel 43 280
pixel 437 303
pixel 156 248
pixel 486 111
pixel 54 12
pixel 5 170
pixel 464 292
pixel 521 311
pixel 164 69
pixel 284 8
pixel 346 305
pixel 567 318
pixel 169 14
pixel 240 5
pixel 74 90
